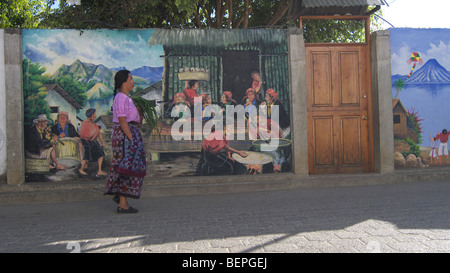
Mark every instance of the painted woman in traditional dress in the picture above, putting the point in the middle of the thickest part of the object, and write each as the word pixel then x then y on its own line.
pixel 93 152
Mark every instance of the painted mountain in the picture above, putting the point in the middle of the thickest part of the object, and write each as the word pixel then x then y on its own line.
pixel 99 82
pixel 430 73
pixel 151 74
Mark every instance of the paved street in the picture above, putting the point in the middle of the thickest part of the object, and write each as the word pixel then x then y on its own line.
pixel 392 218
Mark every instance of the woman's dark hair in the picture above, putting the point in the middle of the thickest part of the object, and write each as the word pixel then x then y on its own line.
pixel 90 112
pixel 120 77
pixel 191 83
pixel 444 131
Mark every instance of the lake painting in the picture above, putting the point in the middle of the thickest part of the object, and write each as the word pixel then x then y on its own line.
pixel 421 92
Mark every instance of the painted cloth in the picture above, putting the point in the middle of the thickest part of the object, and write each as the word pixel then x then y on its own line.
pixel 443 149
pixel 443 137
pixel 68 130
pixel 128 165
pixel 214 161
pixel 92 150
pixel 215 142
pixel 190 95
pixel 123 106
pixel 89 130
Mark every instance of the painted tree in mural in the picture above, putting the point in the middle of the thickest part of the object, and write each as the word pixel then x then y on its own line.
pixel 399 84
pixel 34 100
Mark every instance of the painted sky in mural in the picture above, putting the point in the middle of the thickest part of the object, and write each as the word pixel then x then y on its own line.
pixel 93 57
pixel 426 78
pixel 112 48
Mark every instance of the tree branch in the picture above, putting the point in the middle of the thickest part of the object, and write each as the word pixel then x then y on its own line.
pixel 282 8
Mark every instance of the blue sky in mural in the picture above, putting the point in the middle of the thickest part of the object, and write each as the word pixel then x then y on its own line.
pixel 430 43
pixel 111 48
pixel 427 89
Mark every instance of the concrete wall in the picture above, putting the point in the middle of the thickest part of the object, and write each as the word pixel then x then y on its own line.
pixel 382 105
pixel 382 102
pixel 2 110
pixel 15 160
pixel 297 70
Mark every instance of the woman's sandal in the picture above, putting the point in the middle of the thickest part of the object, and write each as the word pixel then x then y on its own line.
pixel 116 199
pixel 129 210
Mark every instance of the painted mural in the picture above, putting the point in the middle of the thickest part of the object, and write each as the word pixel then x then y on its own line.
pixel 222 99
pixel 420 61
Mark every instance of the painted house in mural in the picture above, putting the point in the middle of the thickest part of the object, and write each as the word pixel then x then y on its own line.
pixel 59 100
pixel 230 56
pixel 400 119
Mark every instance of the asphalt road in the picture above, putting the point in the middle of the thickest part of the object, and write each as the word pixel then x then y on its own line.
pixel 390 218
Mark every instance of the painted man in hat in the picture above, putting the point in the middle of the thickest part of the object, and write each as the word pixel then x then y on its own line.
pixel 39 142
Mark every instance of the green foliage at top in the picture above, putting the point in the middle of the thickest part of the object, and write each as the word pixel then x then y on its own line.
pixel 22 13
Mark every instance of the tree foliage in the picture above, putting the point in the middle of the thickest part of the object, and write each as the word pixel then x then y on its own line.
pixel 23 13
pixel 93 14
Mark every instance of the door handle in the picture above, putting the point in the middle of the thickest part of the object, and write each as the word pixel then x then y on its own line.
pixel 365 118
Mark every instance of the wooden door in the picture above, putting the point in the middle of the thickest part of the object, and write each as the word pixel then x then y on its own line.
pixel 339 116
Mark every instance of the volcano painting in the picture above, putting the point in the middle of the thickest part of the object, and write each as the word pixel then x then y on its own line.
pixel 432 72
pixel 420 65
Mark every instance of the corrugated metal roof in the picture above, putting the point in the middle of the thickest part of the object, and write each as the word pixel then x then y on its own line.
pixel 331 7
pixel 340 3
pixel 216 37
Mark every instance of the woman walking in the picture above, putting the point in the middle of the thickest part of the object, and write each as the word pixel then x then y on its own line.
pixel 128 166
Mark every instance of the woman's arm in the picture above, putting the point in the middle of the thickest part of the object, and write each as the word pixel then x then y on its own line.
pixel 101 139
pixel 230 150
pixel 125 128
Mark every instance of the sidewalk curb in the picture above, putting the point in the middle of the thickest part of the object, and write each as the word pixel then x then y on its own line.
pixel 79 190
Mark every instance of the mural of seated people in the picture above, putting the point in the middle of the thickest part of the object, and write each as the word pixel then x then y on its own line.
pixel 225 100
pixel 257 84
pixel 271 99
pixel 68 147
pixel 206 107
pixel 190 91
pixel 39 144
pixel 216 156
pixel 250 99
pixel 93 152
pixel 181 106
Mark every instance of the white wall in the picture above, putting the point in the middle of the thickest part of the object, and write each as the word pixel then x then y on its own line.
pixel 2 107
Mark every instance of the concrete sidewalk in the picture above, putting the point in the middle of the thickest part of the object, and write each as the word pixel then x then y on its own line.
pixel 86 189
pixel 386 218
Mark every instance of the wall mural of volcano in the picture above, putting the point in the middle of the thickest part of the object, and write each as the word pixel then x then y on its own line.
pixel 420 60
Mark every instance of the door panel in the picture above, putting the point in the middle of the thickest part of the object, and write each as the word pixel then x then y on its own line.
pixel 322 95
pixel 351 140
pixel 338 109
pixel 349 78
pixel 323 141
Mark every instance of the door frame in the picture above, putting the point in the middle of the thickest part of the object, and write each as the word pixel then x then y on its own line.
pixel 367 58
